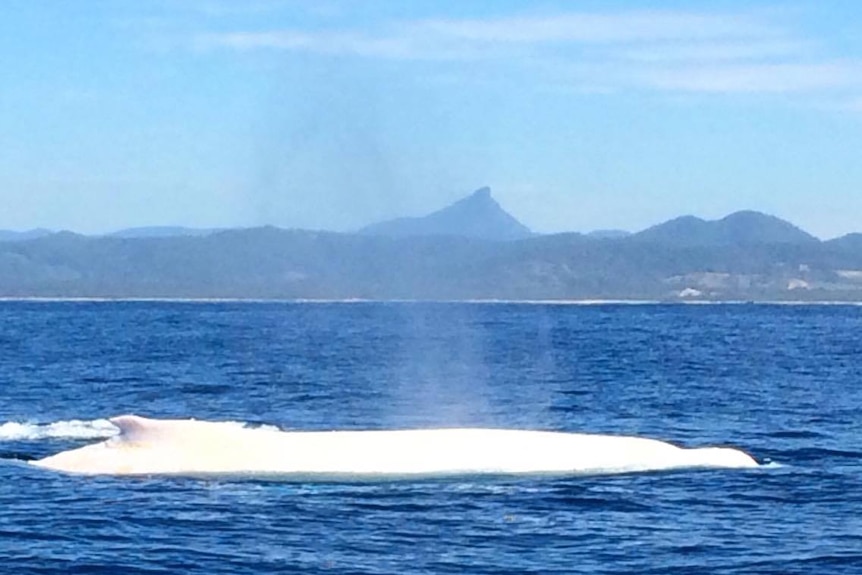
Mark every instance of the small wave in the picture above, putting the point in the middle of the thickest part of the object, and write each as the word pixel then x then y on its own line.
pixel 80 429
pixel 72 429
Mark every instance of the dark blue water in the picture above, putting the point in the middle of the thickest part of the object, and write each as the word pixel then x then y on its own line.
pixel 780 382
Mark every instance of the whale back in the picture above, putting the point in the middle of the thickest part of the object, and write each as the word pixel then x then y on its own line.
pixel 188 447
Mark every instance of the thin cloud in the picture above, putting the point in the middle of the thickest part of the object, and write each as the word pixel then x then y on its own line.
pixel 755 78
pixel 232 8
pixel 449 38
pixel 665 51
pixel 636 26
pixel 721 50
pixel 393 45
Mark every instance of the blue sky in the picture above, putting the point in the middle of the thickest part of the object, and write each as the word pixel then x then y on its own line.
pixel 332 114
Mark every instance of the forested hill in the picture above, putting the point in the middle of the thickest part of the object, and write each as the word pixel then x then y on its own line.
pixel 276 263
pixel 471 249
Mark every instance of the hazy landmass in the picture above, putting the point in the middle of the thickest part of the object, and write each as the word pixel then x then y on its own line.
pixel 608 234
pixel 162 232
pixel 472 249
pixel 12 236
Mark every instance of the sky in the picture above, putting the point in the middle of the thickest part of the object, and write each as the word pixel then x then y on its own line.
pixel 333 114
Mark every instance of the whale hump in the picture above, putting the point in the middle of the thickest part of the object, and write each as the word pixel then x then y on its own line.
pixel 134 427
pixel 136 430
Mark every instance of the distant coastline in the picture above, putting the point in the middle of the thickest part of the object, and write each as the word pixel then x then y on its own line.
pixel 584 303
pixel 472 250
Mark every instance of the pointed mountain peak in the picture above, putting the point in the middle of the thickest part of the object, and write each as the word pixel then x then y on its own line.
pixel 476 216
pixel 481 199
pixel 483 193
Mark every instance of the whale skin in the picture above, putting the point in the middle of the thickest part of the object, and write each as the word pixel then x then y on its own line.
pixel 191 447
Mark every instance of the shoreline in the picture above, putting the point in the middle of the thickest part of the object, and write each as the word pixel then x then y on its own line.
pixel 482 301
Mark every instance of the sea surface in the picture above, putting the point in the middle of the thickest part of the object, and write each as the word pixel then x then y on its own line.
pixel 783 383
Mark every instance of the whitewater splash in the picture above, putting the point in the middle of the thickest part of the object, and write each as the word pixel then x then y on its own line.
pixel 72 429
pixel 189 447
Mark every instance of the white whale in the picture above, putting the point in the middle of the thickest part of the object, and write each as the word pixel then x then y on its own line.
pixel 189 447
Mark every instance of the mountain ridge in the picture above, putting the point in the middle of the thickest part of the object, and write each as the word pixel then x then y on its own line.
pixel 479 216
pixel 272 263
pixel 745 256
pixel 18 236
pixel 161 232
pixel 740 228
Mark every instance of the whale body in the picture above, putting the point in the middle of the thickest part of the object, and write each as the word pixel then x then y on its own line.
pixel 190 447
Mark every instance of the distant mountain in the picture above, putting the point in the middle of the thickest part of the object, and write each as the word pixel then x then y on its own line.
pixel 847 242
pixel 844 254
pixel 738 229
pixel 608 234
pixel 11 236
pixel 477 216
pixel 287 264
pixel 160 232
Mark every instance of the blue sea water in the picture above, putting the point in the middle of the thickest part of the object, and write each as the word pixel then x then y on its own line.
pixel 780 382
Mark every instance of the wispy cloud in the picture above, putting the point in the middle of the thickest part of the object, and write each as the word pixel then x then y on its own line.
pixel 756 78
pixel 633 26
pixel 386 46
pixel 666 51
pixel 429 38
pixel 232 8
pixel 718 50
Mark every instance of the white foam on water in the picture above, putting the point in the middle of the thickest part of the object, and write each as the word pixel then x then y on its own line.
pixel 190 447
pixel 82 429
pixel 72 429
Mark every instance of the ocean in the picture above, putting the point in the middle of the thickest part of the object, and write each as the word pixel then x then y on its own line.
pixel 780 382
